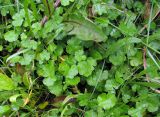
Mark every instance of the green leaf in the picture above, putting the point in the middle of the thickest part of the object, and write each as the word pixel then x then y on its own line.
pixel 49 81
pixel 119 77
pixel 92 80
pixel 6 83
pixel 26 79
pixel 106 101
pixel 43 105
pixel 56 88
pixel 14 98
pixel 33 6
pixel 83 99
pixel 85 68
pixel 4 12
pixel 153 103
pixel 152 69
pixel 63 68
pixel 27 58
pixel 1 47
pixel 11 36
pixel 23 36
pixel 90 113
pixel 148 84
pixel 47 70
pixel 43 56
pixel 30 44
pixel 120 43
pixel 52 47
pixel 85 29
pixel 74 45
pixel 18 18
pixel 136 59
pixel 118 58
pixel 4 109
pixel 128 29
pixel 48 27
pixel 73 81
pixel 16 54
pixel 73 71
pixel 66 2
pixel 79 55
pixel 136 112
pixel 58 50
pixel 96 55
pixel 135 62
pixel 27 15
pixel 99 8
pixel 36 27
pixel 111 85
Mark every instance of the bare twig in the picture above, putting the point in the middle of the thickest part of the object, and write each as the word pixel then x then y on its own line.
pixel 57 3
pixel 44 20
pixel 147 9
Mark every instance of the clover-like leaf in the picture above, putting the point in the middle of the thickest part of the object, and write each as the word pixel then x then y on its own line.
pixel 121 43
pixel 117 58
pixel 73 81
pixel 30 44
pixel 11 36
pixel 79 55
pixel 85 68
pixel 56 88
pixel 106 101
pixel 128 29
pixel 47 70
pixel 99 76
pixel 18 18
pixel 49 81
pixel 99 8
pixel 74 45
pixel 43 56
pixel 27 58
pixel 73 71
pixel 66 2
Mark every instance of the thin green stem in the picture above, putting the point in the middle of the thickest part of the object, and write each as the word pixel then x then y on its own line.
pixel 149 24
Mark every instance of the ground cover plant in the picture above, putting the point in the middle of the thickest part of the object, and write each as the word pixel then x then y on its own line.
pixel 79 58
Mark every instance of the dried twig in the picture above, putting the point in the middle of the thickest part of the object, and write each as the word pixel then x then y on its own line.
pixel 44 20
pixel 57 3
pixel 147 9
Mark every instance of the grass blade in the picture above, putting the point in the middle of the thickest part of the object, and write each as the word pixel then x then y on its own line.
pixel 33 6
pixel 151 56
pixel 27 12
pixel 16 54
pixel 148 84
